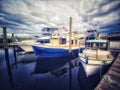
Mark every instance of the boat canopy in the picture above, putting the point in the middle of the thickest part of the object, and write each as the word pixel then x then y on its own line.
pixel 97 41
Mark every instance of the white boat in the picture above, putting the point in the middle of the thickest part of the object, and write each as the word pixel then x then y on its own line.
pixel 95 61
pixel 95 55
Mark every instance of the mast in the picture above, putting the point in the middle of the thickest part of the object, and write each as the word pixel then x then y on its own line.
pixel 70 34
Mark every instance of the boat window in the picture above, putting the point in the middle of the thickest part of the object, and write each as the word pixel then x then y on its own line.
pixel 103 46
pixel 46 34
pixel 94 45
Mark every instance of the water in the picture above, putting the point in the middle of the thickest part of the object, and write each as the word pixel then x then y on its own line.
pixel 24 78
pixel 43 74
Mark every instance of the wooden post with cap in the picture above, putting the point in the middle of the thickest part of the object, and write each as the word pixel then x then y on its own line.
pixel 6 47
pixel 7 55
pixel 70 35
pixel 14 51
pixel 70 42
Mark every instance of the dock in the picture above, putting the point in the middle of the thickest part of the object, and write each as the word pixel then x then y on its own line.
pixel 26 45
pixel 26 48
pixel 111 80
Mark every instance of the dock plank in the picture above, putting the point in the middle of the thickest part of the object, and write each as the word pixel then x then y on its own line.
pixel 111 80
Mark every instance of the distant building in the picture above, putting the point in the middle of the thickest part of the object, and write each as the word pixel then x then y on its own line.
pixel 114 36
pixel 114 39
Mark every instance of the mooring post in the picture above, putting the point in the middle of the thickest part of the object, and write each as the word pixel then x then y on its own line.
pixel 6 47
pixel 70 50
pixel 7 55
pixel 14 50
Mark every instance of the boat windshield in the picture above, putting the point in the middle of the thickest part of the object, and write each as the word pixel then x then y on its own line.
pixel 97 45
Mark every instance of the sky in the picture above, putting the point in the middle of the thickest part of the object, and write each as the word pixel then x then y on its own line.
pixel 30 16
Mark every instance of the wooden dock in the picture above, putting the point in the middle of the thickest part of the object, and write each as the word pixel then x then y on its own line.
pixel 111 80
pixel 26 48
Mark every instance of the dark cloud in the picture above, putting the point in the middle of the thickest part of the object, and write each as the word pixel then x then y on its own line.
pixel 111 10
pixel 34 15
pixel 111 27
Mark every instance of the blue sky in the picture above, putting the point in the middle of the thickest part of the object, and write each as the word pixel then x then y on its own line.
pixel 30 16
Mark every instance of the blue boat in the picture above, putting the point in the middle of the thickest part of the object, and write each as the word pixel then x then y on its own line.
pixel 56 53
pixel 50 58
pixel 49 52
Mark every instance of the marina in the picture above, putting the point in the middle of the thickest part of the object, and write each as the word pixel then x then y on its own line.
pixel 23 77
pixel 59 45
pixel 56 67
pixel 31 78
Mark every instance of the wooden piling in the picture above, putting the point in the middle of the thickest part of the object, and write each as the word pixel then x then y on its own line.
pixel 14 51
pixel 70 34
pixel 70 42
pixel 6 47
pixel 7 55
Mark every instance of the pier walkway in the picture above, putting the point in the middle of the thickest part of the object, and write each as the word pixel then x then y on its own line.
pixel 111 81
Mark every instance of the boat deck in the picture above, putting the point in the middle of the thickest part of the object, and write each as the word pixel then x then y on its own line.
pixel 98 54
pixel 27 47
pixel 63 46
pixel 111 81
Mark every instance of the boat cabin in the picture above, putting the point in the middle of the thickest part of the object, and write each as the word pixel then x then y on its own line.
pixel 96 52
pixel 91 34
pixel 97 44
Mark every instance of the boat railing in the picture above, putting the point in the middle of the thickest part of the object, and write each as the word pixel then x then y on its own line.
pixel 94 61
pixel 96 56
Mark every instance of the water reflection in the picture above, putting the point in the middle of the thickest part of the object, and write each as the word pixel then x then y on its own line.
pixel 10 78
pixel 65 68
pixel 5 69
pixel 44 65
pixel 89 79
pixel 62 71
pixel 47 75
pixel 57 70
pixel 57 77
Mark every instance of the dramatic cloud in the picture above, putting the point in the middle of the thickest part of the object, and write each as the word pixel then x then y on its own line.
pixel 30 16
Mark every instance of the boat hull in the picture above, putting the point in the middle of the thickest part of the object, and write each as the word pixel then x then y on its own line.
pixel 43 52
pixel 90 75
pixel 49 59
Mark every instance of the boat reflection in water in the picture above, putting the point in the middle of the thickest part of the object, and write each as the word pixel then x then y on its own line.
pixel 65 68
pixel 65 71
pixel 50 58
pixel 44 65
